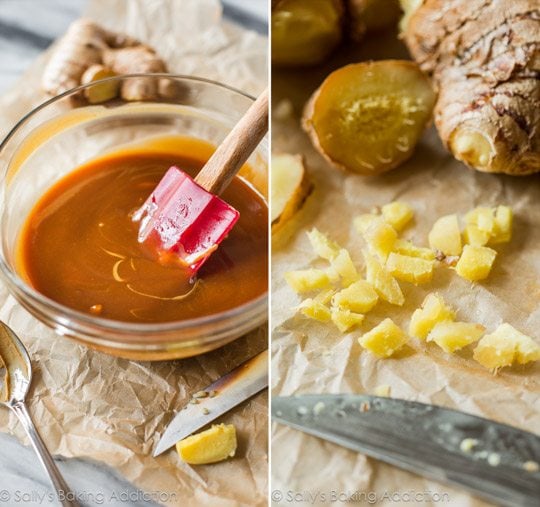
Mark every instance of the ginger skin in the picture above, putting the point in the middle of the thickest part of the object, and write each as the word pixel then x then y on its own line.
pixel 484 60
pixel 88 52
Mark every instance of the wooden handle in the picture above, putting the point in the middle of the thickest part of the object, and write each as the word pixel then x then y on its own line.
pixel 236 148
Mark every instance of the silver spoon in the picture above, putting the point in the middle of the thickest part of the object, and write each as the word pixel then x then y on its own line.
pixel 15 378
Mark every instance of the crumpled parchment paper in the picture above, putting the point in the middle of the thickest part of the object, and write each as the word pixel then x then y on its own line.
pixel 311 357
pixel 88 404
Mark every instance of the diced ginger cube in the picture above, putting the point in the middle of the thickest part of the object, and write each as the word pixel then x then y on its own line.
pixel 503 225
pixel 362 222
pixel 322 245
pixel 397 214
pixel 425 318
pixel 380 237
pixel 210 446
pixel 452 336
pixel 384 339
pixel 383 282
pixel 445 235
pixel 483 218
pixel 475 262
pixel 504 347
pixel 306 280
pixel 343 266
pixel 409 269
pixel 345 319
pixel 404 247
pixel 314 309
pixel 358 297
pixel 324 297
pixel 472 235
pixel 383 391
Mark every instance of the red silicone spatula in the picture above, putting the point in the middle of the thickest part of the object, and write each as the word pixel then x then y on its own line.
pixel 184 217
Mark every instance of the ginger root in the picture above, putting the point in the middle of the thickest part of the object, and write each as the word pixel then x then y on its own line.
pixel 304 33
pixel 484 60
pixel 368 117
pixel 89 52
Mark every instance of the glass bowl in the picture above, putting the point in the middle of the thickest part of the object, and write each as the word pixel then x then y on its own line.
pixel 66 131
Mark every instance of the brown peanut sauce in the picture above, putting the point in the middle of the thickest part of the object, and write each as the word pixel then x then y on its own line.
pixel 79 245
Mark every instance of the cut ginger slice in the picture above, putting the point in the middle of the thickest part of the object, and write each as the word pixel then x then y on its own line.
pixel 404 247
pixel 445 235
pixel 502 232
pixel 314 309
pixel 433 311
pixel 382 281
pixel 384 339
pixel 452 336
pixel 504 347
pixel 475 262
pixel 358 297
pixel 290 188
pixel 210 446
pixel 345 319
pixel 379 236
pixel 306 280
pixel 367 117
pixel 322 245
pixel 397 214
pixel 409 269
pixel 343 266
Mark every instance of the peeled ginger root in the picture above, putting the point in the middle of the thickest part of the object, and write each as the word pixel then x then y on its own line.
pixel 368 117
pixel 304 33
pixel 483 57
pixel 290 188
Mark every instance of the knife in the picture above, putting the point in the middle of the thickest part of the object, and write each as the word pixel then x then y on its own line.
pixel 494 460
pixel 225 393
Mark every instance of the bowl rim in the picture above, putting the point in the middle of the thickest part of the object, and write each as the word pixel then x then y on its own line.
pixel 122 329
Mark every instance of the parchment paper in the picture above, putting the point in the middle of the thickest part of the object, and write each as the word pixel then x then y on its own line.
pixel 310 357
pixel 88 404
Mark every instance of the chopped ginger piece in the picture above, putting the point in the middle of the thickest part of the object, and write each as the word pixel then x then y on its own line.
pixel 397 214
pixel 306 280
pixel 362 222
pixel 380 237
pixel 475 262
pixel 358 297
pixel 404 247
pixel 314 309
pixel 343 266
pixel 409 269
pixel 384 339
pixel 425 318
pixel 383 282
pixel 483 218
pixel 452 336
pixel 475 236
pixel 324 297
pixel 504 347
pixel 322 246
pixel 345 319
pixel 503 225
pixel 445 235
pixel 209 446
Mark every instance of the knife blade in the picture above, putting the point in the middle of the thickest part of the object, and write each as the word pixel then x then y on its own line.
pixel 225 393
pixel 499 462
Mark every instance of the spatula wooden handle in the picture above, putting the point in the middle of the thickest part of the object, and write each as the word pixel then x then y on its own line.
pixel 236 148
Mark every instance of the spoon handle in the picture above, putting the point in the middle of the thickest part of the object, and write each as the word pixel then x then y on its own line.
pixel 64 494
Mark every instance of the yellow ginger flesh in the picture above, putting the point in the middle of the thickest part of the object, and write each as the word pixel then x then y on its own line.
pixel 475 262
pixel 343 266
pixel 452 336
pixel 384 339
pixel 409 269
pixel 358 297
pixel 379 236
pixel 210 446
pixel 397 214
pixel 445 235
pixel 306 280
pixel 382 281
pixel 433 311
pixel 322 245
pixel 314 309
pixel 504 347
pixel 345 319
pixel 404 247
